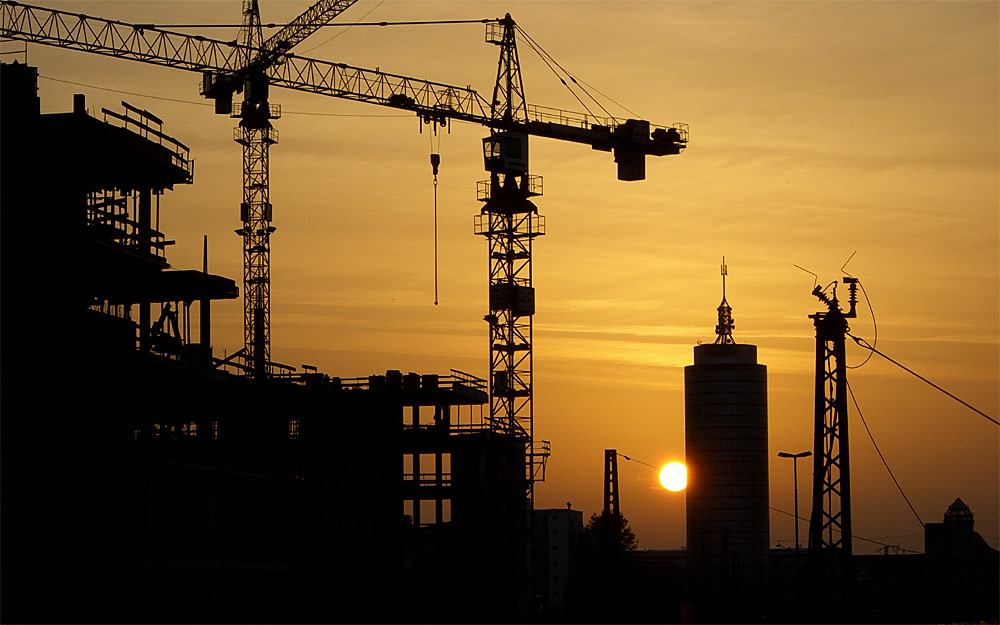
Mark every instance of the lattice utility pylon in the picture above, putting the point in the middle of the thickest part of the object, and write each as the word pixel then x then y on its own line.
pixel 256 134
pixel 830 522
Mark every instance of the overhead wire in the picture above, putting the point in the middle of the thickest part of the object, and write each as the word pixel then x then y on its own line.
pixel 863 343
pixel 877 542
pixel 843 269
pixel 635 460
pixel 815 277
pixel 850 391
pixel 319 45
pixel 870 540
pixel 140 95
pixel 874 325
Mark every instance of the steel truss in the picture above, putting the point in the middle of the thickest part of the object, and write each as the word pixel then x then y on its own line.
pixel 510 223
pixel 830 546
pixel 255 213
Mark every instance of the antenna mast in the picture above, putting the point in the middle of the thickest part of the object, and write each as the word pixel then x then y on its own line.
pixel 724 330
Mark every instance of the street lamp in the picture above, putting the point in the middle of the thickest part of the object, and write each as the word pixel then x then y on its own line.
pixel 795 478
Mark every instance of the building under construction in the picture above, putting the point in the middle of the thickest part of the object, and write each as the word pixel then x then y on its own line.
pixel 146 480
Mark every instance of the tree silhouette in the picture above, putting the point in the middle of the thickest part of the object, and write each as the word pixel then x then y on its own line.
pixel 608 533
pixel 603 572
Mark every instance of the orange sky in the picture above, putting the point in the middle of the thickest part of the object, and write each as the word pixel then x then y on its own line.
pixel 817 130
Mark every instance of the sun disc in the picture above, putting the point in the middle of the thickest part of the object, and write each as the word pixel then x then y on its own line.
pixel 673 476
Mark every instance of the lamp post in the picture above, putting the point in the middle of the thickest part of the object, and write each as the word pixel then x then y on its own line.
pixel 795 478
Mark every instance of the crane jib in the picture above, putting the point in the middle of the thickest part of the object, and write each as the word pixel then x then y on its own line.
pixel 630 140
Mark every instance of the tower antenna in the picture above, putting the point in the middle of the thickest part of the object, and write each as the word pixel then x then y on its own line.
pixel 724 330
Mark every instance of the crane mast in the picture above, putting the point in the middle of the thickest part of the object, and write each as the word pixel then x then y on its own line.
pixel 256 135
pixel 510 222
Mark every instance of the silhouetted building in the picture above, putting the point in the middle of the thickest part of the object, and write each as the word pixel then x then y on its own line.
pixel 788 585
pixel 465 511
pixel 146 480
pixel 555 537
pixel 964 569
pixel 660 587
pixel 955 580
pixel 727 493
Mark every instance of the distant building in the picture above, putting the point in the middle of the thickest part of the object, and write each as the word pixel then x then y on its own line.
pixel 555 535
pixel 726 454
pixel 955 580
pixel 964 569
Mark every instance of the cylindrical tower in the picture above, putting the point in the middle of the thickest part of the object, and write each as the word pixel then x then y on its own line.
pixel 726 453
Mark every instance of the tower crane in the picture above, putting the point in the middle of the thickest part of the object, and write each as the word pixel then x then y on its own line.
pixel 256 134
pixel 508 218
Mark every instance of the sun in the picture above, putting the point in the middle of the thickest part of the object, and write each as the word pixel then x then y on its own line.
pixel 674 476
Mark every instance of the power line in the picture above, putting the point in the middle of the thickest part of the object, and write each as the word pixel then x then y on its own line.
pixel 140 95
pixel 864 343
pixel 879 451
pixel 876 542
pixel 634 460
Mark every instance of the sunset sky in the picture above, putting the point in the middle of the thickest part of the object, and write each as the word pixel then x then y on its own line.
pixel 820 132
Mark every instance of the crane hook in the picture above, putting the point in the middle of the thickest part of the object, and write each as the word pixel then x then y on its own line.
pixel 435 161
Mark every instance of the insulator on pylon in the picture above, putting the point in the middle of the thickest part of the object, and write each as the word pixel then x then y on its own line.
pixel 818 292
pixel 852 294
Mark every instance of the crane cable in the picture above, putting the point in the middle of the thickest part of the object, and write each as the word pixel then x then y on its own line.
pixel 435 162
pixel 546 57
